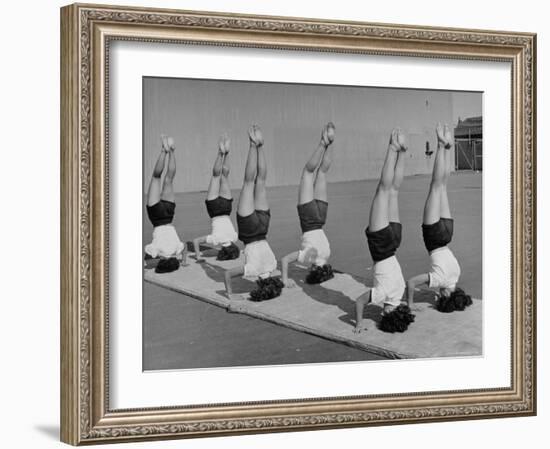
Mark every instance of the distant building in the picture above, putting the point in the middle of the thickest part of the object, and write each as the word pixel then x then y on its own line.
pixel 469 144
pixel 470 128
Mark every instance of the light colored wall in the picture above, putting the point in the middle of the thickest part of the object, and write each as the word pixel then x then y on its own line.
pixel 195 112
pixel 466 104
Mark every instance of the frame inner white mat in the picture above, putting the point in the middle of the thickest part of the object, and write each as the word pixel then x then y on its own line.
pixel 130 387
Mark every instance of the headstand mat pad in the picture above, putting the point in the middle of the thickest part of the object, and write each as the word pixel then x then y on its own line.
pixel 327 310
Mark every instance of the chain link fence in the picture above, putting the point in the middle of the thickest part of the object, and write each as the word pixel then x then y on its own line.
pixel 469 154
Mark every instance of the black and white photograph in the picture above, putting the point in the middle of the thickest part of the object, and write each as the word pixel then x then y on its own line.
pixel 303 223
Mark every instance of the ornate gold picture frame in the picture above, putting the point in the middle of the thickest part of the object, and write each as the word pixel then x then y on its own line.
pixel 86 34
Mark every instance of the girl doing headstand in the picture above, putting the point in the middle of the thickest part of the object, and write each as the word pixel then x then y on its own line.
pixel 437 232
pixel 253 217
pixel 312 211
pixel 218 205
pixel 384 238
pixel 161 205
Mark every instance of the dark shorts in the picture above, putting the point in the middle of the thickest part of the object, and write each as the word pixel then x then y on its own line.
pixel 161 213
pixel 313 215
pixel 219 206
pixel 384 242
pixel 253 227
pixel 438 234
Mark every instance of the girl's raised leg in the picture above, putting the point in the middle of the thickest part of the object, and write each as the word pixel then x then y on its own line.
pixel 260 193
pixel 445 210
pixel 320 184
pixel 154 191
pixel 167 193
pixel 432 208
pixel 379 212
pixel 246 199
pixel 215 179
pixel 306 190
pixel 396 184
pixel 225 188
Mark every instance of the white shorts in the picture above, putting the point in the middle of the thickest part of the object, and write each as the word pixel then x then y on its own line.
pixel 389 283
pixel 259 259
pixel 223 231
pixel 166 242
pixel 315 248
pixel 445 270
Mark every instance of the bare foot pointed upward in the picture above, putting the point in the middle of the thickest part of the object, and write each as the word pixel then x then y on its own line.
pixel 224 144
pixel 255 135
pixel 397 140
pixel 328 133
pixel 164 143
pixel 441 132
pixel 401 140
pixel 393 140
pixel 171 143
pixel 448 136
